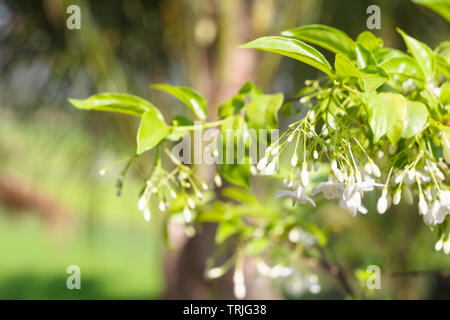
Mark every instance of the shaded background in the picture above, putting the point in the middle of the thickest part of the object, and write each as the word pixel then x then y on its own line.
pixel 56 211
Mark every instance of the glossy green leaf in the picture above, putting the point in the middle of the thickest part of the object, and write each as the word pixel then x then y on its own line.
pixel 224 231
pixel 188 96
pixel 369 40
pixel 345 68
pixel 326 37
pixel 373 77
pixel 422 53
pixel 262 111
pixel 234 105
pixel 399 107
pixel 292 48
pixel 384 54
pixel 415 120
pixel 443 66
pixel 444 97
pixel 114 102
pixel 403 68
pixel 382 113
pixel 364 57
pixel 152 130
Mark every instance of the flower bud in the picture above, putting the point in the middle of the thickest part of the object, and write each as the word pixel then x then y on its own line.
pixel 294 160
pixel 423 207
pixel 382 202
pixel 438 245
pixel 304 177
pixel 397 197
pixel 375 170
pixel 147 214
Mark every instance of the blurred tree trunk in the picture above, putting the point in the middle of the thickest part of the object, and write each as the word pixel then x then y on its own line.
pixel 218 72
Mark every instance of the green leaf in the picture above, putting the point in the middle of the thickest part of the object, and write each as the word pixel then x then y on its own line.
pixel 442 7
pixel 403 68
pixel 237 102
pixel 224 231
pixel 399 106
pixel 382 112
pixel 114 102
pixel 326 37
pixel 364 57
pixel 442 66
pixel 292 48
pixel 345 68
pixel 369 40
pixel 237 172
pixel 416 118
pixel 151 131
pixel 262 111
pixel 422 53
pixel 384 54
pixel 444 98
pixel 373 77
pixel 188 96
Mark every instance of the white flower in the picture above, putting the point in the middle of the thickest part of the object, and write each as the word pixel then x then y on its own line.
pixel 375 170
pixel 274 151
pixel 397 197
pixel 330 189
pixel 239 285
pixel 368 168
pixel 297 196
pixel 187 214
pixel 304 178
pixel 423 207
pixel 382 203
pixel 447 246
pixel 270 169
pixel 294 160
pixel 430 217
pixel 142 203
pixel 438 245
pixel 102 172
pixel 162 206
pixel 351 199
pixel 262 163
pixel 147 214
pixel 191 203
pixel 315 154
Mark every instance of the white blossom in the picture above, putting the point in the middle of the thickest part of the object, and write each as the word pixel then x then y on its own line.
pixel 294 160
pixel 262 163
pixel 397 197
pixel 147 214
pixel 304 177
pixel 423 206
pixel 382 203
pixel 297 196
pixel 330 189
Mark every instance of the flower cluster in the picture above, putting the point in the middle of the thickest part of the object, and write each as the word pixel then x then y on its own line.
pixel 354 161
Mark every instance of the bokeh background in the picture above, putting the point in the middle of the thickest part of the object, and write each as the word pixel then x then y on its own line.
pixel 56 211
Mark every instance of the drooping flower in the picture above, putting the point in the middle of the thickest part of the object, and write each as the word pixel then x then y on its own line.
pixel 382 203
pixel 329 189
pixel 304 177
pixel 299 195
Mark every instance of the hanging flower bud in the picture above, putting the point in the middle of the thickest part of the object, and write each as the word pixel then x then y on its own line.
pixel 270 169
pixel 147 214
pixel 382 203
pixel 142 203
pixel 290 138
pixel 397 197
pixel 375 170
pixel 262 163
pixel 423 207
pixel 187 214
pixel 191 203
pixel 447 246
pixel 103 172
pixel 315 154
pixel 438 245
pixel 274 151
pixel 368 168
pixel 173 194
pixel 304 177
pixel 294 160
pixel 239 284
pixel 162 206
